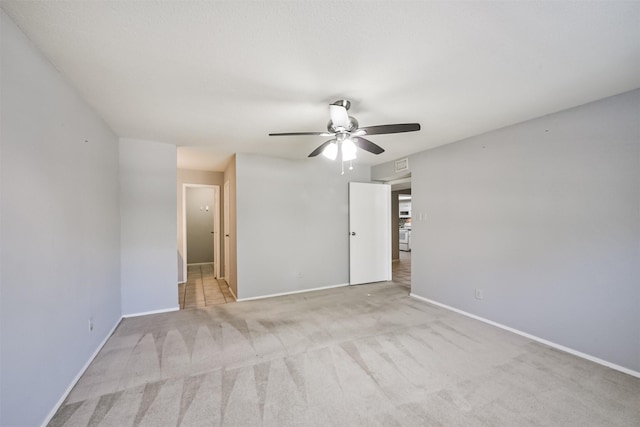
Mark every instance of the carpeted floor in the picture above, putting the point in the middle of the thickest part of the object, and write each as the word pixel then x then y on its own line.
pixel 357 356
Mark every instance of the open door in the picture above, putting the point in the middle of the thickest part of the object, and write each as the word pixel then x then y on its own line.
pixel 369 232
pixel 226 230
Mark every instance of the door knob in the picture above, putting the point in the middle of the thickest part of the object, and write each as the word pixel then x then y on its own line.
pixel 226 235
pixel 353 233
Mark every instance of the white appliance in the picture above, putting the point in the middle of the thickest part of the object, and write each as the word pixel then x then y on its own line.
pixel 405 239
pixel 405 208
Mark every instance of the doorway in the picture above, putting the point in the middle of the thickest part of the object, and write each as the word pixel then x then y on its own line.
pixel 201 226
pixel 402 232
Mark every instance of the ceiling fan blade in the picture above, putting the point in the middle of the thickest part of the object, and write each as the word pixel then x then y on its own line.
pixel 399 128
pixel 302 133
pixel 339 116
pixel 367 145
pixel 321 148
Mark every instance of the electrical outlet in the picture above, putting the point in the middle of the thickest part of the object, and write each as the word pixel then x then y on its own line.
pixel 90 324
pixel 479 293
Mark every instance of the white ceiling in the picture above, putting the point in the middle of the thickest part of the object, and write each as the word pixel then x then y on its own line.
pixel 215 77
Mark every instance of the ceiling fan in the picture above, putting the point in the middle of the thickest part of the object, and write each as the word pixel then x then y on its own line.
pixel 347 136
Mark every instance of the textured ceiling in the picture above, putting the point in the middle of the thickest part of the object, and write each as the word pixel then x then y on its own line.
pixel 216 77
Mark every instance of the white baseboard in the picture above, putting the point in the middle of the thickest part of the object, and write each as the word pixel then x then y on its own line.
pixel 293 292
pixel 145 313
pixel 77 377
pixel 533 337
pixel 93 356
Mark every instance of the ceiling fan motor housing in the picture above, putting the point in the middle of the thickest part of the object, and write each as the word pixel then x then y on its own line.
pixel 352 126
pixel 343 103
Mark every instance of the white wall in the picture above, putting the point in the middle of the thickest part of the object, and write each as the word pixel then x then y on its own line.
pixel 59 227
pixel 292 224
pixel 148 226
pixel 544 217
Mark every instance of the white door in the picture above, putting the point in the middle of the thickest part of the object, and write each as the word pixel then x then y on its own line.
pixel 369 232
pixel 226 230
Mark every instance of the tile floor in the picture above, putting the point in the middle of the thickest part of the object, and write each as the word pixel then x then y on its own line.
pixel 202 289
pixel 401 270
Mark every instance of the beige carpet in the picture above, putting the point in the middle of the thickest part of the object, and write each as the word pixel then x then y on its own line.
pixel 358 356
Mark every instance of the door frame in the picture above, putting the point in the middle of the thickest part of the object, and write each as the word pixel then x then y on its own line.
pixel 216 227
pixel 227 243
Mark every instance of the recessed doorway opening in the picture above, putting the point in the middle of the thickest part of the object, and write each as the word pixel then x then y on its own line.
pixel 401 213
pixel 201 247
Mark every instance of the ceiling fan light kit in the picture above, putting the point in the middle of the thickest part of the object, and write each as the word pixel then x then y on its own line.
pixel 347 135
pixel 331 151
pixel 348 150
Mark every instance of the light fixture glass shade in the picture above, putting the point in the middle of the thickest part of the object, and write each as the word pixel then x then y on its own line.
pixel 331 151
pixel 348 150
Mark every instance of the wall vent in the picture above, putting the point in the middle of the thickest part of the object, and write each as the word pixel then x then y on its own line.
pixel 402 165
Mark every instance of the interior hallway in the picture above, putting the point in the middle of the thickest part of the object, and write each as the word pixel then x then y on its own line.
pixel 202 289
